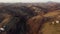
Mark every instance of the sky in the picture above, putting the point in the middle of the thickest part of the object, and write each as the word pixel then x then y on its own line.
pixel 27 1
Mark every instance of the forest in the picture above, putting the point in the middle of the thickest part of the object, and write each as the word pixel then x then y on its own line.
pixel 30 18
